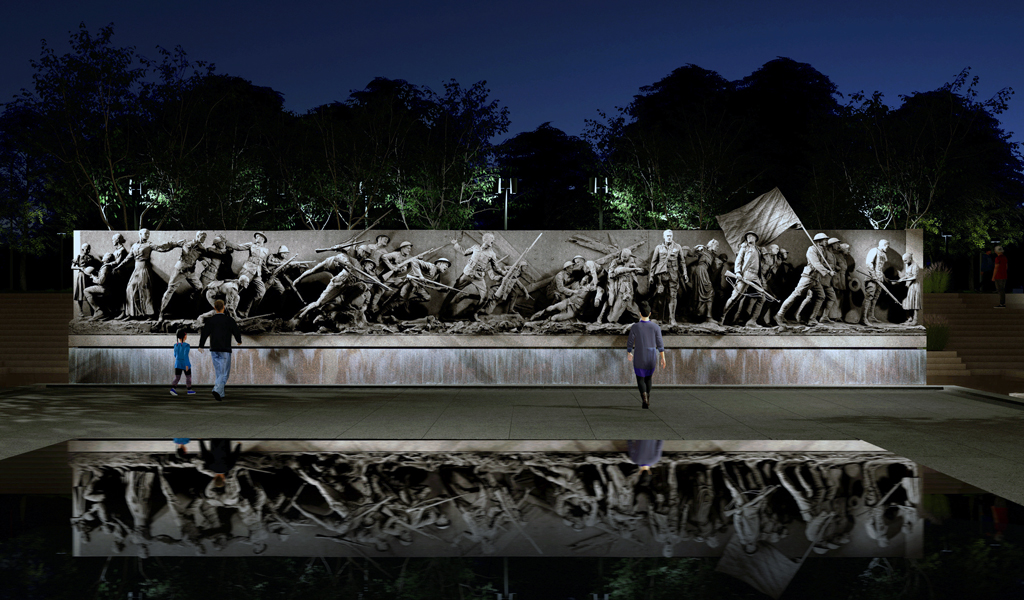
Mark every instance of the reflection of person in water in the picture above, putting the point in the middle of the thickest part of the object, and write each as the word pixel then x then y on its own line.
pixel 219 459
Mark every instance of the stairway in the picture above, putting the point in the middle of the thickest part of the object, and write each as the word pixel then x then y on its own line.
pixel 988 340
pixel 34 338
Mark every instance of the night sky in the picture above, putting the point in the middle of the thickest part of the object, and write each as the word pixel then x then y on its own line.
pixel 547 61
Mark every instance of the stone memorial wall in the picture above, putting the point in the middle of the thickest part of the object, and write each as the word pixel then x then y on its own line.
pixel 502 307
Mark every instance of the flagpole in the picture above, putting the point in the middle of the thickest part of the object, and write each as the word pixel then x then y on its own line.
pixel 815 246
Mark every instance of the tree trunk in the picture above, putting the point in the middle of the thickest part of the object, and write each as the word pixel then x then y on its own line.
pixel 23 276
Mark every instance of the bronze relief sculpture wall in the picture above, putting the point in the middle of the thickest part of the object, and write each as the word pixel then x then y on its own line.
pixel 503 282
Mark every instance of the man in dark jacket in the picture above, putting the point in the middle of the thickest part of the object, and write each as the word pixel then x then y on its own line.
pixel 220 328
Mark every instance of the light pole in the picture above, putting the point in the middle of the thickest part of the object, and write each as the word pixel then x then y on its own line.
pixel 599 187
pixel 60 257
pixel 945 237
pixel 506 595
pixel 506 187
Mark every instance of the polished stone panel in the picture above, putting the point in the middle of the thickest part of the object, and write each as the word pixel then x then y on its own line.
pixel 509 366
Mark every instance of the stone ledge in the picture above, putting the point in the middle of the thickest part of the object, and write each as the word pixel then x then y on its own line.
pixel 514 341
pixel 161 446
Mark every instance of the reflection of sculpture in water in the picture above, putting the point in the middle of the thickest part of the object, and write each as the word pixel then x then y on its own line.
pixel 369 501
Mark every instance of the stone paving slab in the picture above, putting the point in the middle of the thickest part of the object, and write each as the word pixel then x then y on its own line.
pixel 971 435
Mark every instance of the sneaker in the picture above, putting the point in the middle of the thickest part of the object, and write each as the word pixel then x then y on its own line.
pixel 174 392
pixel 216 396
pixel 181 452
pixel 1000 306
pixel 190 392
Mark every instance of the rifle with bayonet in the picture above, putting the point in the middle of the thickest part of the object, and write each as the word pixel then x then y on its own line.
pixel 431 283
pixel 339 247
pixel 290 284
pixel 881 284
pixel 512 275
pixel 399 266
pixel 767 296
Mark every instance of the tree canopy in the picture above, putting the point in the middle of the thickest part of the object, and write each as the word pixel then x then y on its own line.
pixel 108 137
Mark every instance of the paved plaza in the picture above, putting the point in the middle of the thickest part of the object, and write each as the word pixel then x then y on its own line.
pixel 970 435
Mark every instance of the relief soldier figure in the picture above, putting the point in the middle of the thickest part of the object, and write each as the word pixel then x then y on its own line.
pixel 558 289
pixel 351 282
pixel 810 280
pixel 668 264
pixel 97 295
pixel 213 261
pixel 252 269
pixel 622 281
pixel 748 270
pixel 483 262
pixel 876 261
pixel 831 306
pixel 185 272
pixel 413 285
pixel 229 290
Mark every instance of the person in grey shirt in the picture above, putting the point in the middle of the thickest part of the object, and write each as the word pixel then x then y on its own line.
pixel 645 338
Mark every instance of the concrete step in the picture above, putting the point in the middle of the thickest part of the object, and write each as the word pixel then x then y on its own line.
pixel 938 363
pixel 1007 373
pixel 940 360
pixel 49 362
pixel 35 355
pixel 970 343
pixel 35 370
pixel 947 373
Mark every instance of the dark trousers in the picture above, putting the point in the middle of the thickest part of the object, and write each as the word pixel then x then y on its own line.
pixel 177 377
pixel 644 384
pixel 1001 288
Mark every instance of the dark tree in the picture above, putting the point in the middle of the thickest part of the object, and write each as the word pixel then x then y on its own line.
pixel 553 169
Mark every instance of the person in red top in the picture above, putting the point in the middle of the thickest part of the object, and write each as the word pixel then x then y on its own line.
pixel 999 276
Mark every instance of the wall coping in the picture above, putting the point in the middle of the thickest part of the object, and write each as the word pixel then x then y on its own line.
pixel 913 341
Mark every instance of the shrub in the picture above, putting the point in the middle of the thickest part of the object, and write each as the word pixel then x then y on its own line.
pixel 937 332
pixel 936 278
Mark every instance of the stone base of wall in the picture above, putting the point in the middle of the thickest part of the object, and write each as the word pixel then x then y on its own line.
pixel 508 366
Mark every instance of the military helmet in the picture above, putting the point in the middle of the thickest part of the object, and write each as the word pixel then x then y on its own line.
pixel 404 244
pixel 260 234
pixel 832 241
pixel 282 249
pixel 820 236
pixel 442 259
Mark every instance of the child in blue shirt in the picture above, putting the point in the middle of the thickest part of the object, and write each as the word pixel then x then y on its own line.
pixel 182 364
